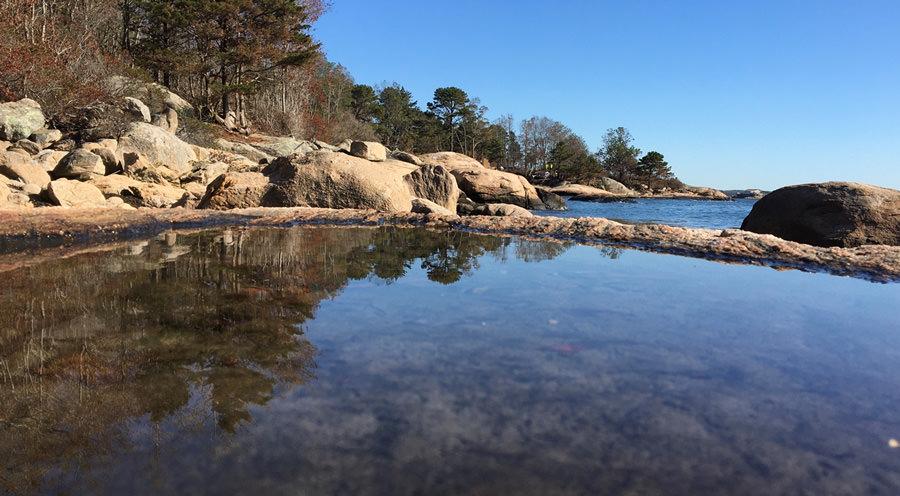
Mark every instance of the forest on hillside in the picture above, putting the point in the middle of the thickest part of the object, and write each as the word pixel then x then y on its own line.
pixel 254 62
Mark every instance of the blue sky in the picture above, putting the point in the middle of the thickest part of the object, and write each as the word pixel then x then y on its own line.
pixel 735 95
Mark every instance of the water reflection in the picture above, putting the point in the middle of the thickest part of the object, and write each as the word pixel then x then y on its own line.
pixel 392 361
pixel 200 328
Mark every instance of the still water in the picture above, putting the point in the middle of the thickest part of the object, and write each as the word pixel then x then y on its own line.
pixel 391 361
pixel 685 213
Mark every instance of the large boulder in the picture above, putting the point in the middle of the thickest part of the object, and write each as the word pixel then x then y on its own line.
pixel 587 193
pixel 551 200
pixel 158 146
pixel 18 120
pixel 235 190
pixel 68 193
pixel 15 166
pixel 336 180
pixel 434 183
pixel 79 164
pixel 829 214
pixel 492 186
pixel 369 150
pixel 450 160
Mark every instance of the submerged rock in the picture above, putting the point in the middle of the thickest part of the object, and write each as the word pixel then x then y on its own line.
pixel 829 214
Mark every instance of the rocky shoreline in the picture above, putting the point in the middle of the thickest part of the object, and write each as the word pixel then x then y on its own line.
pixel 53 232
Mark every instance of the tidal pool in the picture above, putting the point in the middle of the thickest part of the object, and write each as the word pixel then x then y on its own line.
pixel 404 361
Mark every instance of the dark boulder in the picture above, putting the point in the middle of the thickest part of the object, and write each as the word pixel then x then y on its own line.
pixel 829 214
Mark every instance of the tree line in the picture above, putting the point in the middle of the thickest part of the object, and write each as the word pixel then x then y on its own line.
pixel 255 60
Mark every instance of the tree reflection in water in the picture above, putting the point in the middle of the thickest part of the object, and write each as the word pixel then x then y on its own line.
pixel 186 331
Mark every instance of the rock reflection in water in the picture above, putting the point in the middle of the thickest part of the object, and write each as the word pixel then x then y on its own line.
pixel 187 332
pixel 393 361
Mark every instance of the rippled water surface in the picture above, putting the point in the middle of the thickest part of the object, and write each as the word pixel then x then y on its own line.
pixel 686 213
pixel 390 361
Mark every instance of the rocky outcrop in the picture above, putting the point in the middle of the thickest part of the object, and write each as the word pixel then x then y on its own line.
pixel 235 190
pixel 611 185
pixel 706 193
pixel 434 183
pixel 369 150
pixel 423 206
pixel 20 168
pixel 829 214
pixel 79 164
pixel 337 180
pixel 583 192
pixel 158 146
pixel 492 186
pixel 18 120
pixel 69 193
pixel 450 160
pixel 741 194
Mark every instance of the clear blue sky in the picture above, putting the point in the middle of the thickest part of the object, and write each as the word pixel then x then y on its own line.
pixel 734 94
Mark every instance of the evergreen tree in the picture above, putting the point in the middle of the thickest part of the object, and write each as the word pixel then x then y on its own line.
pixel 653 165
pixel 363 102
